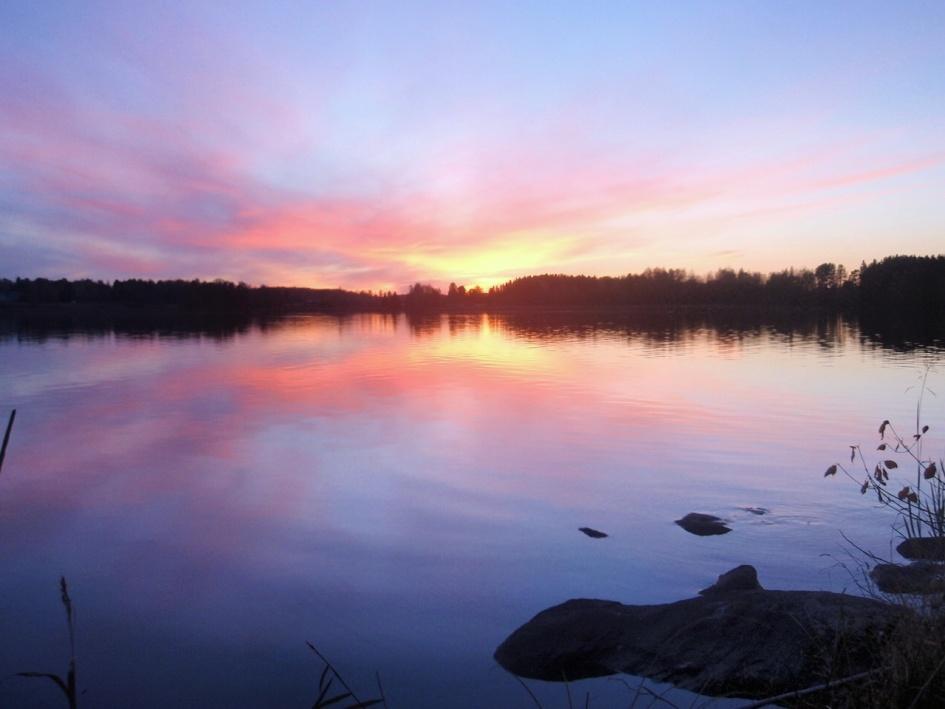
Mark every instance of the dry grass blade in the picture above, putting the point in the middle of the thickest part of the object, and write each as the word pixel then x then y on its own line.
pixel 6 438
pixel 380 688
pixel 925 685
pixel 331 667
pixel 329 673
pixel 797 694
pixel 526 688
pixel 68 686
pixel 636 694
pixel 321 680
pixel 323 690
pixel 567 689
pixel 59 682
pixel 659 698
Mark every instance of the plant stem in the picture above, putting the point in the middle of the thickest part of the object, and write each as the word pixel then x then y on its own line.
pixel 6 438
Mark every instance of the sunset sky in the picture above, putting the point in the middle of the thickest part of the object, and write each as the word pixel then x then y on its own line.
pixel 369 145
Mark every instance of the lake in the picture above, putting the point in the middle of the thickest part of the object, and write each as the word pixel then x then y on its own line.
pixel 405 492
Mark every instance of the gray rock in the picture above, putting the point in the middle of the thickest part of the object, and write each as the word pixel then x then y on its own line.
pixel 735 639
pixel 919 577
pixel 931 548
pixel 702 524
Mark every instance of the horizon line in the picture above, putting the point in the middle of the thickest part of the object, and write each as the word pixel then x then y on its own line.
pixel 689 273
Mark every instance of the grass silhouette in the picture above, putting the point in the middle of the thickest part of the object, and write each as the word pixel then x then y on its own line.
pixel 6 438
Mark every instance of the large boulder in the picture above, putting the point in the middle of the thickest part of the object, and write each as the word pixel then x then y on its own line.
pixel 737 638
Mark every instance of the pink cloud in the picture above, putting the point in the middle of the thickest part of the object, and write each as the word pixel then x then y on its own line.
pixel 133 193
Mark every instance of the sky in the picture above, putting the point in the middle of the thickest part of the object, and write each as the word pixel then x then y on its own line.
pixel 370 145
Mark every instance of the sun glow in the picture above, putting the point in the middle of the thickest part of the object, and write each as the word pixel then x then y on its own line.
pixel 511 255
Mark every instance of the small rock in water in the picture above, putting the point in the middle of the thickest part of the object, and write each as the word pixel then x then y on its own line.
pixel 932 548
pixel 756 510
pixel 919 577
pixel 703 525
pixel 592 533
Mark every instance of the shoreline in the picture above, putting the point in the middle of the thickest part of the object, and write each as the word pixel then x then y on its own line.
pixel 124 308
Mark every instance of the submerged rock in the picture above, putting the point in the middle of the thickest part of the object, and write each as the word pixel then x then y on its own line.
pixel 931 548
pixel 593 533
pixel 703 525
pixel 756 510
pixel 737 638
pixel 919 577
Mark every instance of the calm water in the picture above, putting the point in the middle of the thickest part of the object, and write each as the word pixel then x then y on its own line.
pixel 406 493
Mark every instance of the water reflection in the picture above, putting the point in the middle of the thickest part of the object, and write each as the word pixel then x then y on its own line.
pixel 652 325
pixel 404 491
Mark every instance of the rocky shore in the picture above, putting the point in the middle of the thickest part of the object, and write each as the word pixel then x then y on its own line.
pixel 735 638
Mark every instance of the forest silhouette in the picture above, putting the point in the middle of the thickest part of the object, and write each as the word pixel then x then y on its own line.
pixel 910 286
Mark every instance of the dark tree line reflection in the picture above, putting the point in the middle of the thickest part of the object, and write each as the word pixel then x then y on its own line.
pixel 655 329
pixel 897 303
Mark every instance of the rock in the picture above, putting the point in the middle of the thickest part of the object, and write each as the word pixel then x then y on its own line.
pixel 741 578
pixel 919 577
pixel 756 510
pixel 932 548
pixel 734 639
pixel 702 524
pixel 593 533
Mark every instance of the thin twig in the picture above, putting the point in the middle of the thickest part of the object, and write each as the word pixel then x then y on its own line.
pixel 809 690
pixel 863 551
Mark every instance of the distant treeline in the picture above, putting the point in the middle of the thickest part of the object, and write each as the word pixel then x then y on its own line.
pixel 196 294
pixel 908 285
